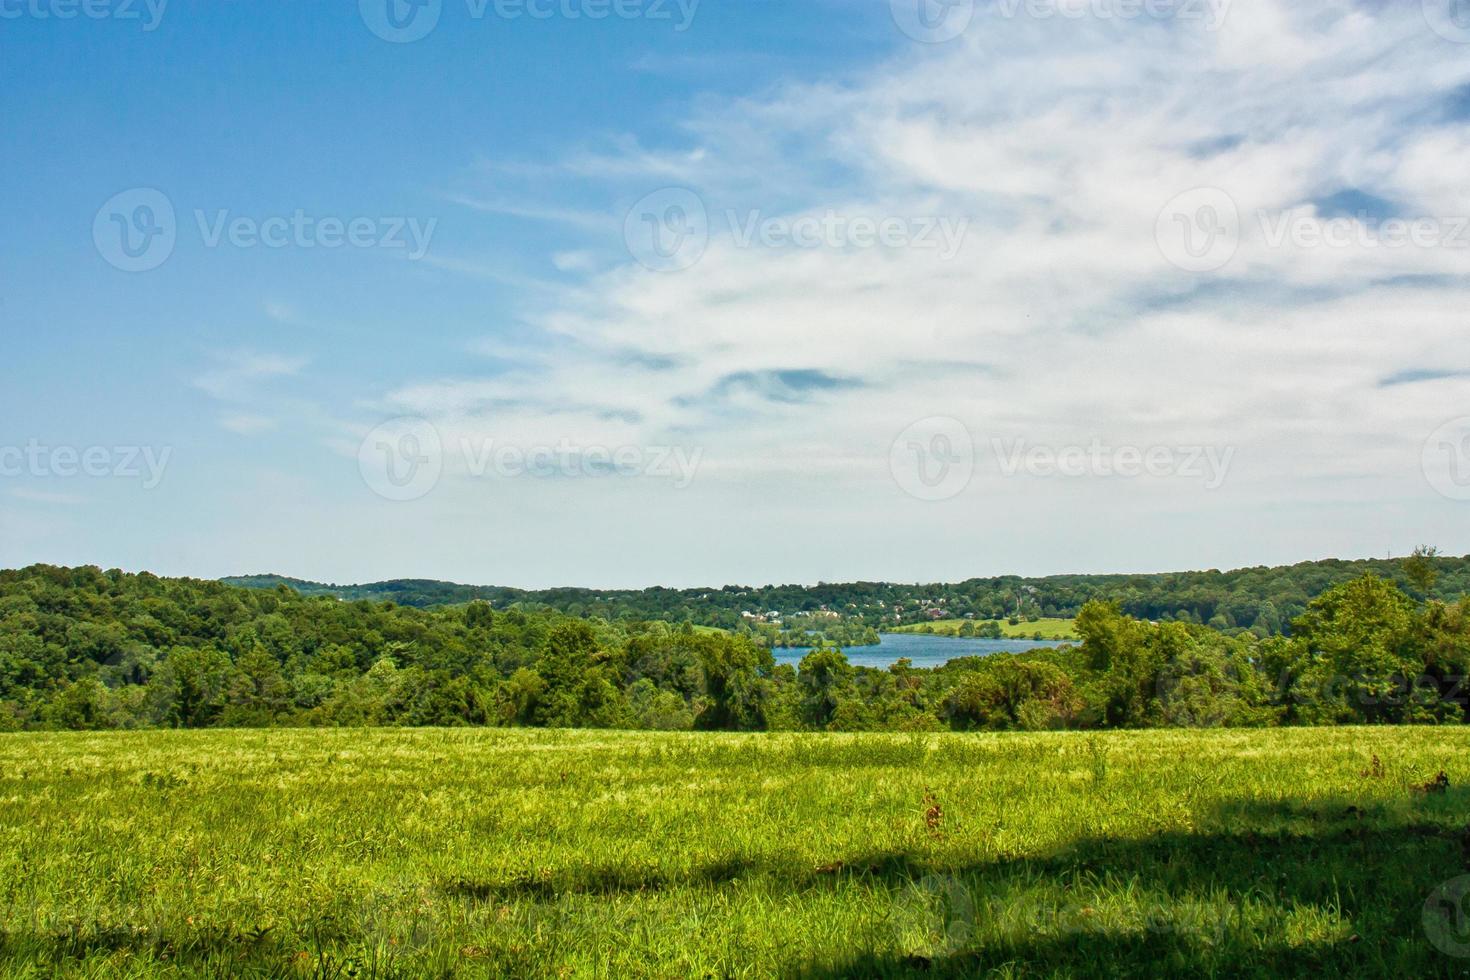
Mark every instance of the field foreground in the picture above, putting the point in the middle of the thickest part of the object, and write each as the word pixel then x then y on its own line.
pixel 493 852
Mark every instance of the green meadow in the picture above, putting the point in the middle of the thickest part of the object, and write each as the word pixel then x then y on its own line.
pixel 482 852
pixel 1049 628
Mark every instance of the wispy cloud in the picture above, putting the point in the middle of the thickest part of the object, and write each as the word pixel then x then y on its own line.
pixel 247 425
pixel 241 372
pixel 1060 316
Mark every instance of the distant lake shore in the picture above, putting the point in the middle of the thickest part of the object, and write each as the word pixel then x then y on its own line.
pixel 924 649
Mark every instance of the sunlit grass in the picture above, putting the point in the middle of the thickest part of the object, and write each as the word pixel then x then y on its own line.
pixel 493 852
pixel 1050 629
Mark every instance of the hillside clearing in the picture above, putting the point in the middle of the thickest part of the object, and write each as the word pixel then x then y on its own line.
pixel 485 852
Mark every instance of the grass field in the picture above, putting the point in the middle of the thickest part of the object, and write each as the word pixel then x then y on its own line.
pixel 1050 629
pixel 490 852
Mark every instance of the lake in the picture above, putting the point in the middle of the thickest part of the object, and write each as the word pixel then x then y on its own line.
pixel 923 649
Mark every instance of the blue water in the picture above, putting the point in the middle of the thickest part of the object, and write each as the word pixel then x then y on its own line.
pixel 922 649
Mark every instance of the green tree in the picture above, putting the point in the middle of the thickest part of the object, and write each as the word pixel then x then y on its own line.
pixel 190 687
pixel 564 669
pixel 824 675
pixel 1420 568
pixel 735 684
pixel 258 694
pixel 1357 639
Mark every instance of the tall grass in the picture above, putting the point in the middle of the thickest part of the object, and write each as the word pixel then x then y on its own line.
pixel 552 853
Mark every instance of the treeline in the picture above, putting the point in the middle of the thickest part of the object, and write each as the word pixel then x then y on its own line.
pixel 86 649
pixel 1261 600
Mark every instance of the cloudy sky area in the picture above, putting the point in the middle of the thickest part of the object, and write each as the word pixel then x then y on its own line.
pixel 1224 248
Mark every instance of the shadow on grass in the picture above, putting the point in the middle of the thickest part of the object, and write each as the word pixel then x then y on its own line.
pixel 595 880
pixel 1330 887
pixel 1277 889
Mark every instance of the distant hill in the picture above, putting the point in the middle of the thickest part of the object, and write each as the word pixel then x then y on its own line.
pixel 1261 599
pixel 421 593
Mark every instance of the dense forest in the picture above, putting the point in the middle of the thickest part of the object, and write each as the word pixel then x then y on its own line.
pixel 1261 600
pixel 83 648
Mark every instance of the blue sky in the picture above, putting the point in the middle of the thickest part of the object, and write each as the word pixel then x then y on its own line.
pixel 733 292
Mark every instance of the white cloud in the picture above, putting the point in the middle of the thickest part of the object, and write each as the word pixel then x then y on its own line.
pixel 247 425
pixel 242 372
pixel 1060 319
